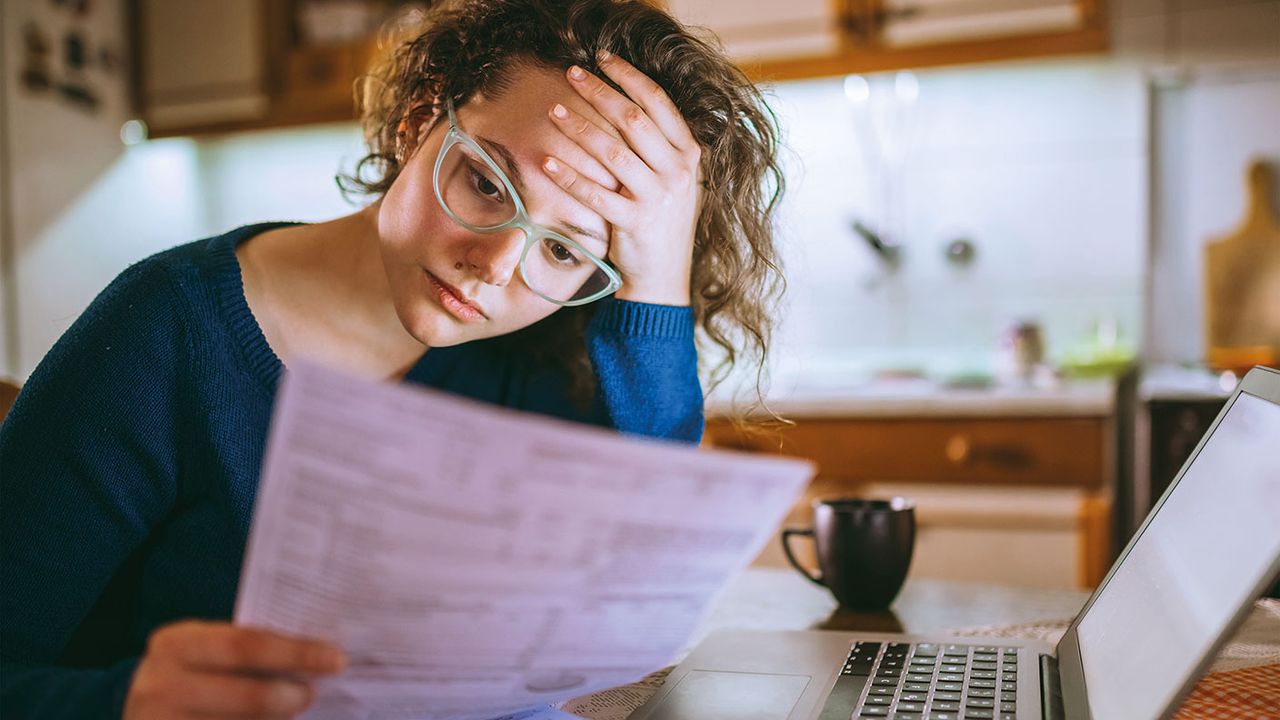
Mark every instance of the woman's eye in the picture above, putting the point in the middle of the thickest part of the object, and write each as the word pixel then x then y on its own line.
pixel 486 187
pixel 562 254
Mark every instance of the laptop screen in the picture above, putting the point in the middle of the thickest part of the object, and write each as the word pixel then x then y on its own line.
pixel 1194 566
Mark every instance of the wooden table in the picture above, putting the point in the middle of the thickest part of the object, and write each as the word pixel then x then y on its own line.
pixel 773 599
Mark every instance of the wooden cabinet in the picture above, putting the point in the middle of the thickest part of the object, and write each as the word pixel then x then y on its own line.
pixel 207 67
pixel 1015 451
pixel 200 63
pixel 1019 500
pixel 815 38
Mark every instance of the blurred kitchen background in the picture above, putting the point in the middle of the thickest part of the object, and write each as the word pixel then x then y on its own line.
pixel 995 227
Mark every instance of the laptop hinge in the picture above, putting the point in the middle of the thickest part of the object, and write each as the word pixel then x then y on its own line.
pixel 1050 689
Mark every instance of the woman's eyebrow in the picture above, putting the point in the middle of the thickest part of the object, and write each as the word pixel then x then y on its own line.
pixel 512 169
pixel 509 160
pixel 579 230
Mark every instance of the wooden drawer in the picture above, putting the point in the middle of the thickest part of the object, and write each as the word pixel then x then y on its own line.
pixel 988 451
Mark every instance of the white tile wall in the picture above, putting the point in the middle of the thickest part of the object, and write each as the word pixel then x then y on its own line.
pixel 1042 165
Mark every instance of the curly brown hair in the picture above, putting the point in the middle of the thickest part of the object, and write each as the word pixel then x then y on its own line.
pixel 464 48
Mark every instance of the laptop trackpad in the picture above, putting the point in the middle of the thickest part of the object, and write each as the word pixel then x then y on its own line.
pixel 714 695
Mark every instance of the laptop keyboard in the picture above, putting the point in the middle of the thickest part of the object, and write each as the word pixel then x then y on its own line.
pixel 927 682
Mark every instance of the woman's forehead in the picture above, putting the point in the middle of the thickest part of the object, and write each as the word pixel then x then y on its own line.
pixel 518 121
pixel 519 113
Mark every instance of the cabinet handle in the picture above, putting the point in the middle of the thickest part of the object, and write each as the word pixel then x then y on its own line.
pixel 959 449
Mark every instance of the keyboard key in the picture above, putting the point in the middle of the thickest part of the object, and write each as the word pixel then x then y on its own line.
pixel 949 686
pixel 979 703
pixel 879 700
pixel 981 693
pixel 885 682
pixel 874 711
pixel 935 715
pixel 945 695
pixel 924 661
pixel 1008 687
pixel 919 677
pixel 911 707
pixel 927 649
pixel 887 691
pixel 1008 716
pixel 983 675
pixel 979 683
pixel 916 686
pixel 950 677
pixel 914 697
pixel 979 665
pixel 1008 707
pixel 888 672
pixel 978 714
pixel 952 667
pixel 947 705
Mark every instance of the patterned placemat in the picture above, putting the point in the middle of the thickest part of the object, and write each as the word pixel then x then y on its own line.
pixel 1243 683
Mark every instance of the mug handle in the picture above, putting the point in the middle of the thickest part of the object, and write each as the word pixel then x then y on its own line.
pixel 786 548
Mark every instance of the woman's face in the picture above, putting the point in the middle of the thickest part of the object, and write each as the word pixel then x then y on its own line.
pixel 452 285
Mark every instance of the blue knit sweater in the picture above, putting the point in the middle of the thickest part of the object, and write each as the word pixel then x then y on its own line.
pixel 129 463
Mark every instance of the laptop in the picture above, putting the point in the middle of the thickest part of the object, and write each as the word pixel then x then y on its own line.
pixel 1186 580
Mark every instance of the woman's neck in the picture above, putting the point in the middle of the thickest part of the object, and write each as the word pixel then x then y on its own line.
pixel 322 294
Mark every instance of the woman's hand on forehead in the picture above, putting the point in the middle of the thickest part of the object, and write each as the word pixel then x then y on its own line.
pixel 653 215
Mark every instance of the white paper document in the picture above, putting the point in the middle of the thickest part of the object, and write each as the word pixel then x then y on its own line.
pixel 474 561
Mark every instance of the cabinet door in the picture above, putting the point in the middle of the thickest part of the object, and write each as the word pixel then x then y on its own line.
pixel 766 29
pixel 201 62
pixel 931 22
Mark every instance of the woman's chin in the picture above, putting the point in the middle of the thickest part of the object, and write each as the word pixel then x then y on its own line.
pixel 434 327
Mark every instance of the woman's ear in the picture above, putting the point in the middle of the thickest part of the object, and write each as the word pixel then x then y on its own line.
pixel 412 131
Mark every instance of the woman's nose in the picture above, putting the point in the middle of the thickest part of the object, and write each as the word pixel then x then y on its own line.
pixel 494 258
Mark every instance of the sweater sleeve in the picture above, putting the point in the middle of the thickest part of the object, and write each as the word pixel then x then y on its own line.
pixel 646 367
pixel 88 461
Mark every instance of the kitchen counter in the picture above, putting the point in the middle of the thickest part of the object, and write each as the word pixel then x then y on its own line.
pixel 818 397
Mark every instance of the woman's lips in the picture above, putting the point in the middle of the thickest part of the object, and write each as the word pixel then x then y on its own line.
pixel 455 302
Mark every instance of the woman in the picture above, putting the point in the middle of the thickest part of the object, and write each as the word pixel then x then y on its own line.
pixel 528 159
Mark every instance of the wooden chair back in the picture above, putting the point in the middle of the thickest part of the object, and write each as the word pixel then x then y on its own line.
pixel 8 393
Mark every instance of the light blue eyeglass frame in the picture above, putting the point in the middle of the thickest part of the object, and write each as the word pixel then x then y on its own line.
pixel 532 230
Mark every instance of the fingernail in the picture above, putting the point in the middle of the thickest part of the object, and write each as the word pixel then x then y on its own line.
pixel 551 165
pixel 577 73
pixel 559 111
pixel 329 658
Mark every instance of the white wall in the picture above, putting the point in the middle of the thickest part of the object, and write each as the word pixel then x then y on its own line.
pixel 1211 128
pixel 1041 165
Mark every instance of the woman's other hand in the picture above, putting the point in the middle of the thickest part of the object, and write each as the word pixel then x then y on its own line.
pixel 216 669
pixel 655 212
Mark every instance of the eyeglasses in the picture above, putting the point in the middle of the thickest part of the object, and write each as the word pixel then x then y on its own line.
pixel 476 194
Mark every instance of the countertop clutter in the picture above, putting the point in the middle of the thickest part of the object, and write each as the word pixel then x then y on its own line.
pixel 833 396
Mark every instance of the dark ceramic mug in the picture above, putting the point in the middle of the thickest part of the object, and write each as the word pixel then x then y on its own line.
pixel 864 549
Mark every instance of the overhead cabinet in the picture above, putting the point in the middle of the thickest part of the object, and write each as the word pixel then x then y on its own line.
pixel 813 38
pixel 200 63
pixel 206 66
